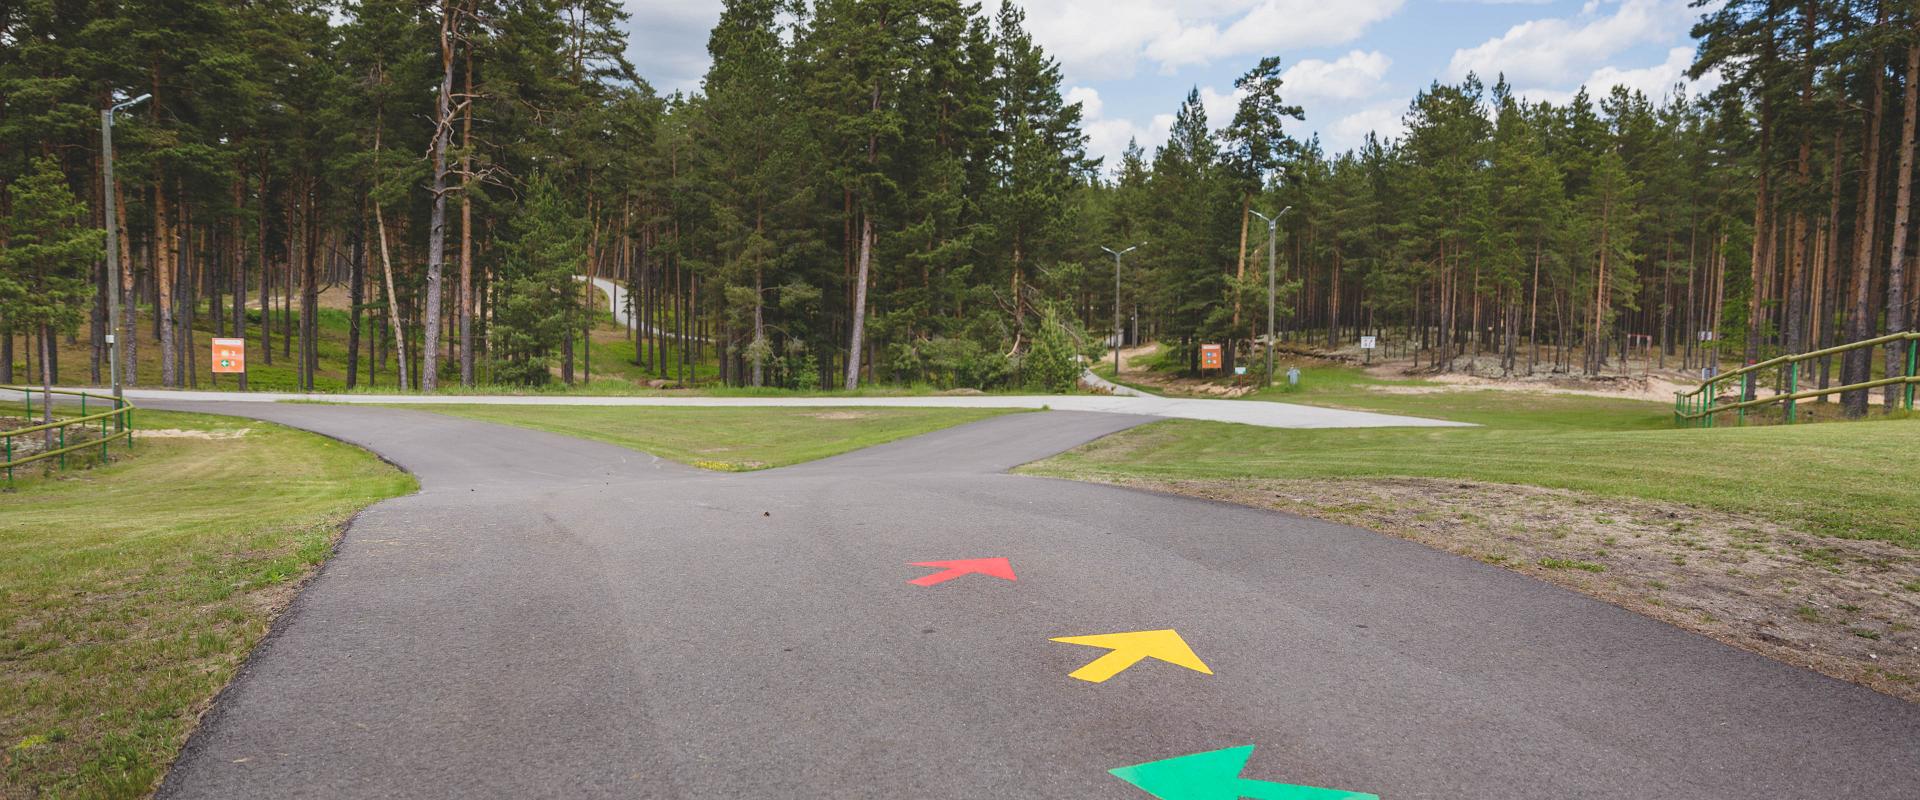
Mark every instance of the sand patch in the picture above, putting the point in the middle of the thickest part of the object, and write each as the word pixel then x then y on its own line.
pixel 176 433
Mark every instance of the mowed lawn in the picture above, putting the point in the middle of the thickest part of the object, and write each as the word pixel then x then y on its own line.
pixel 1851 479
pixel 130 593
pixel 730 439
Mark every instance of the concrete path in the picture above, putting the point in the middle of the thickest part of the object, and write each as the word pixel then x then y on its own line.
pixel 1099 384
pixel 1272 415
pixel 617 302
pixel 559 618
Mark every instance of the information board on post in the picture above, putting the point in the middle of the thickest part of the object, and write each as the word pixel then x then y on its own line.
pixel 1369 342
pixel 230 355
pixel 1209 356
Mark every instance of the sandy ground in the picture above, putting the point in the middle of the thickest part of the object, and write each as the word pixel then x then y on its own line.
pixel 176 433
pixel 1848 609
pixel 1640 381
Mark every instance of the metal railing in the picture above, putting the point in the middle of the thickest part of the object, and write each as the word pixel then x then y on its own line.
pixel 118 417
pixel 1699 407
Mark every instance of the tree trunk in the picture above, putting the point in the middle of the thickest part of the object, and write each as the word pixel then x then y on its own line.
pixel 466 232
pixel 46 382
pixel 1902 214
pixel 860 302
pixel 163 275
pixel 1856 367
pixel 393 303
pixel 238 262
pixel 130 316
pixel 437 227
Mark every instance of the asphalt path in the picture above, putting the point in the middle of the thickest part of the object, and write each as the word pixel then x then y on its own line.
pixel 1272 415
pixel 551 617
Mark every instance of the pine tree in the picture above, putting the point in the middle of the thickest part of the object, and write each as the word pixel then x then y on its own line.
pixel 538 311
pixel 43 268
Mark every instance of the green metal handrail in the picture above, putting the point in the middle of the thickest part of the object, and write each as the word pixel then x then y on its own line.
pixel 119 416
pixel 1699 405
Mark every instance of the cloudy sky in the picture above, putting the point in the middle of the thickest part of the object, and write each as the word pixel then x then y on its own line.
pixel 1352 64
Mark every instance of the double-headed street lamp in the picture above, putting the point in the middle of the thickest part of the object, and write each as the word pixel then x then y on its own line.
pixel 1119 333
pixel 113 247
pixel 1273 229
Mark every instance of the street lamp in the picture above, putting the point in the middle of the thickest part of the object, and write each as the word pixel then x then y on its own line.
pixel 1119 333
pixel 113 247
pixel 1273 229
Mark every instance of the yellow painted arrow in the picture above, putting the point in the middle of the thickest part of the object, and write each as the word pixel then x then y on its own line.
pixel 1130 648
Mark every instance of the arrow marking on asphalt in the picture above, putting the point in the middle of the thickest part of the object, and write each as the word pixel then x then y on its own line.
pixel 1215 775
pixel 1128 650
pixel 997 567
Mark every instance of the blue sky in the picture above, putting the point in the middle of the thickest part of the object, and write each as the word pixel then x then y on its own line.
pixel 1353 64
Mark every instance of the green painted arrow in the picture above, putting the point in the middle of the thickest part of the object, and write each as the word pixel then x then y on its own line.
pixel 1215 775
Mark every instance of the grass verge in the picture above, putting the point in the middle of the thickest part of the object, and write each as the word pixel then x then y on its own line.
pixel 1852 480
pixel 1801 543
pixel 130 593
pixel 730 439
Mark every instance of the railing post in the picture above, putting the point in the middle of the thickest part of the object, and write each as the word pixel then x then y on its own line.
pixel 63 445
pixel 1793 386
pixel 1913 347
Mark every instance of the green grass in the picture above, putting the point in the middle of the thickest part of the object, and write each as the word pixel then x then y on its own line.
pixel 731 439
pixel 1856 480
pixel 130 593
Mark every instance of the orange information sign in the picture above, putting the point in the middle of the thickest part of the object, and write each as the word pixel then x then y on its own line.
pixel 229 355
pixel 1209 356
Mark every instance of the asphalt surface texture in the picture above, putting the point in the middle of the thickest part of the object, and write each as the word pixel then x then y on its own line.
pixel 552 617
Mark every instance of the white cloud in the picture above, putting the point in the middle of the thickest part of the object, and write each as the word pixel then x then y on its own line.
pixel 1107 138
pixel 1219 106
pixel 1089 100
pixel 1557 51
pixel 1100 39
pixel 667 40
pixel 1354 76
pixel 1656 82
pixel 1350 131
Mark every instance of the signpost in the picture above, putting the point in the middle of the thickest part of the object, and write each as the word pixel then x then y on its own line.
pixel 1368 343
pixel 1209 356
pixel 230 355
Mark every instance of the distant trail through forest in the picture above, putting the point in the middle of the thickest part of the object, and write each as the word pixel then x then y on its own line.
pixel 551 617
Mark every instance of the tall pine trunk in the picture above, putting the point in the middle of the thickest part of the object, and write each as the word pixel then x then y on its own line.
pixel 237 261
pixel 393 300
pixel 466 231
pixel 1902 214
pixel 46 382
pixel 163 276
pixel 1856 367
pixel 860 301
pixel 437 227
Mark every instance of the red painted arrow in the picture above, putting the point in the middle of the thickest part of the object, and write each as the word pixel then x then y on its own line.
pixel 997 567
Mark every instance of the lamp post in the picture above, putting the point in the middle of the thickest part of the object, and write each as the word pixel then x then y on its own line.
pixel 1119 333
pixel 1273 229
pixel 113 246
